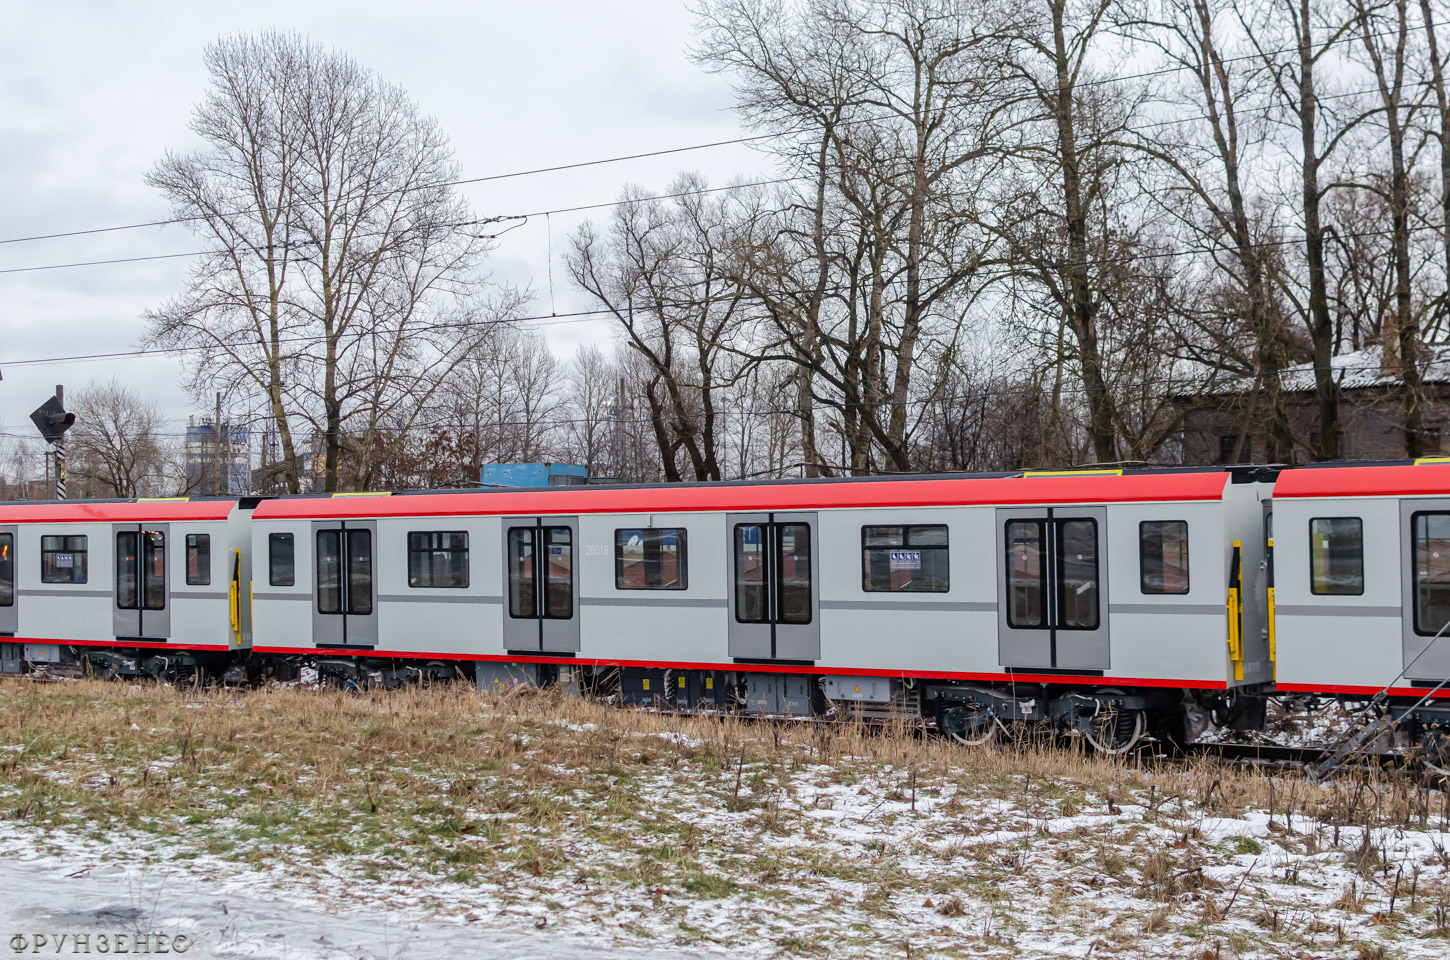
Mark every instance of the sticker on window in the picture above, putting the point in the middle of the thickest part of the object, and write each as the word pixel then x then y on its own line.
pixel 906 560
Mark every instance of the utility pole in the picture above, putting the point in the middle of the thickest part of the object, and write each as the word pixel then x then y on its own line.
pixel 217 448
pixel 60 449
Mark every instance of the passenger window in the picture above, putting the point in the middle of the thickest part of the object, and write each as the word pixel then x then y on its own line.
pixel 1432 571
pixel 1163 556
pixel 438 559
pixel 281 570
pixel 7 570
pixel 522 584
pixel 63 559
pixel 904 559
pixel 650 558
pixel 198 559
pixel 1336 556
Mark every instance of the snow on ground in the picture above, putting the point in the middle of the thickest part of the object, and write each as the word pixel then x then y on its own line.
pixel 291 825
pixel 52 896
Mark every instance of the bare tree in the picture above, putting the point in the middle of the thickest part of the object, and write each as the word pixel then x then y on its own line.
pixel 1384 29
pixel 662 273
pixel 333 242
pixel 118 447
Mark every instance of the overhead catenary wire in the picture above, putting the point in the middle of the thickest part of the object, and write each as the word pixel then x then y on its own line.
pixel 605 312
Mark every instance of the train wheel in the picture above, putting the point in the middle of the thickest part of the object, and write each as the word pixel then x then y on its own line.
pixel 974 728
pixel 1114 730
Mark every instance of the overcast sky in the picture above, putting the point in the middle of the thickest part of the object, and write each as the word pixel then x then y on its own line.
pixel 91 94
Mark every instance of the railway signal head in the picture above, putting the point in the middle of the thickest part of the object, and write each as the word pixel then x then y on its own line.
pixel 52 420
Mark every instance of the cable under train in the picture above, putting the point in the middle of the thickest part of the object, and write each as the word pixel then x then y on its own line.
pixel 1117 603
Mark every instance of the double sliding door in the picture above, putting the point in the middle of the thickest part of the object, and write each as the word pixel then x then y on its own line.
pixel 1052 599
pixel 141 590
pixel 345 608
pixel 541 611
pixel 774 607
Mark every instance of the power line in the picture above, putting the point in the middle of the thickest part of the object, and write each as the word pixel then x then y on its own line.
pixel 1165 71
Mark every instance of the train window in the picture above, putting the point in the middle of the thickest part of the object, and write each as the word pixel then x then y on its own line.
pixel 521 572
pixel 750 596
pixel 1336 556
pixel 281 555
pixel 1432 571
pixel 650 558
pixel 359 572
pixel 63 559
pixel 1163 556
pixel 559 573
pixel 1026 584
pixel 904 559
pixel 198 559
pixel 1077 574
pixel 795 572
pixel 329 571
pixel 438 559
pixel 7 570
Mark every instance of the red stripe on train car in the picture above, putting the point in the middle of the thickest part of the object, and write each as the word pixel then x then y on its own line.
pixel 81 511
pixel 689 498
pixel 1429 479
pixel 1326 688
pixel 123 644
pixel 1058 678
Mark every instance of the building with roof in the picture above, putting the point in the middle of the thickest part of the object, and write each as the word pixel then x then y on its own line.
pixel 1371 426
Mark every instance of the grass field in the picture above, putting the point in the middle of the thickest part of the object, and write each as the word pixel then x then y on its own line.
pixel 753 839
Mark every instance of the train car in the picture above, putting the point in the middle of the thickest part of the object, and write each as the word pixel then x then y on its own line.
pixel 1092 600
pixel 1361 588
pixel 145 587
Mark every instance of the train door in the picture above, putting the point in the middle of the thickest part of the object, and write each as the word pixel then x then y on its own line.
pixel 1425 528
pixel 1052 600
pixel 541 584
pixel 143 589
pixel 774 606
pixel 9 611
pixel 345 607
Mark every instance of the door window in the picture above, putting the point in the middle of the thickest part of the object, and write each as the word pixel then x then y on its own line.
pixel 1026 593
pixel 559 596
pixel 750 599
pixel 521 572
pixel 1431 533
pixel 329 571
pixel 153 570
pixel 127 595
pixel 795 572
pixel 360 572
pixel 7 570
pixel 1077 574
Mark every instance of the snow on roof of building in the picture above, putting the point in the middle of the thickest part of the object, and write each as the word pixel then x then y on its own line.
pixel 1360 369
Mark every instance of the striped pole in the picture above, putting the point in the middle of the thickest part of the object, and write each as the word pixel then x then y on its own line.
pixel 60 471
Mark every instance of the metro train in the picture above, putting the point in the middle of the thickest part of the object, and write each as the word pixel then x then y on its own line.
pixel 1118 604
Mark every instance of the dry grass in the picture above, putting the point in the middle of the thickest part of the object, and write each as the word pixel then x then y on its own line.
pixel 813 838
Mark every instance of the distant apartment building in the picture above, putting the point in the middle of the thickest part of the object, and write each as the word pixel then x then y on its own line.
pixel 218 459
